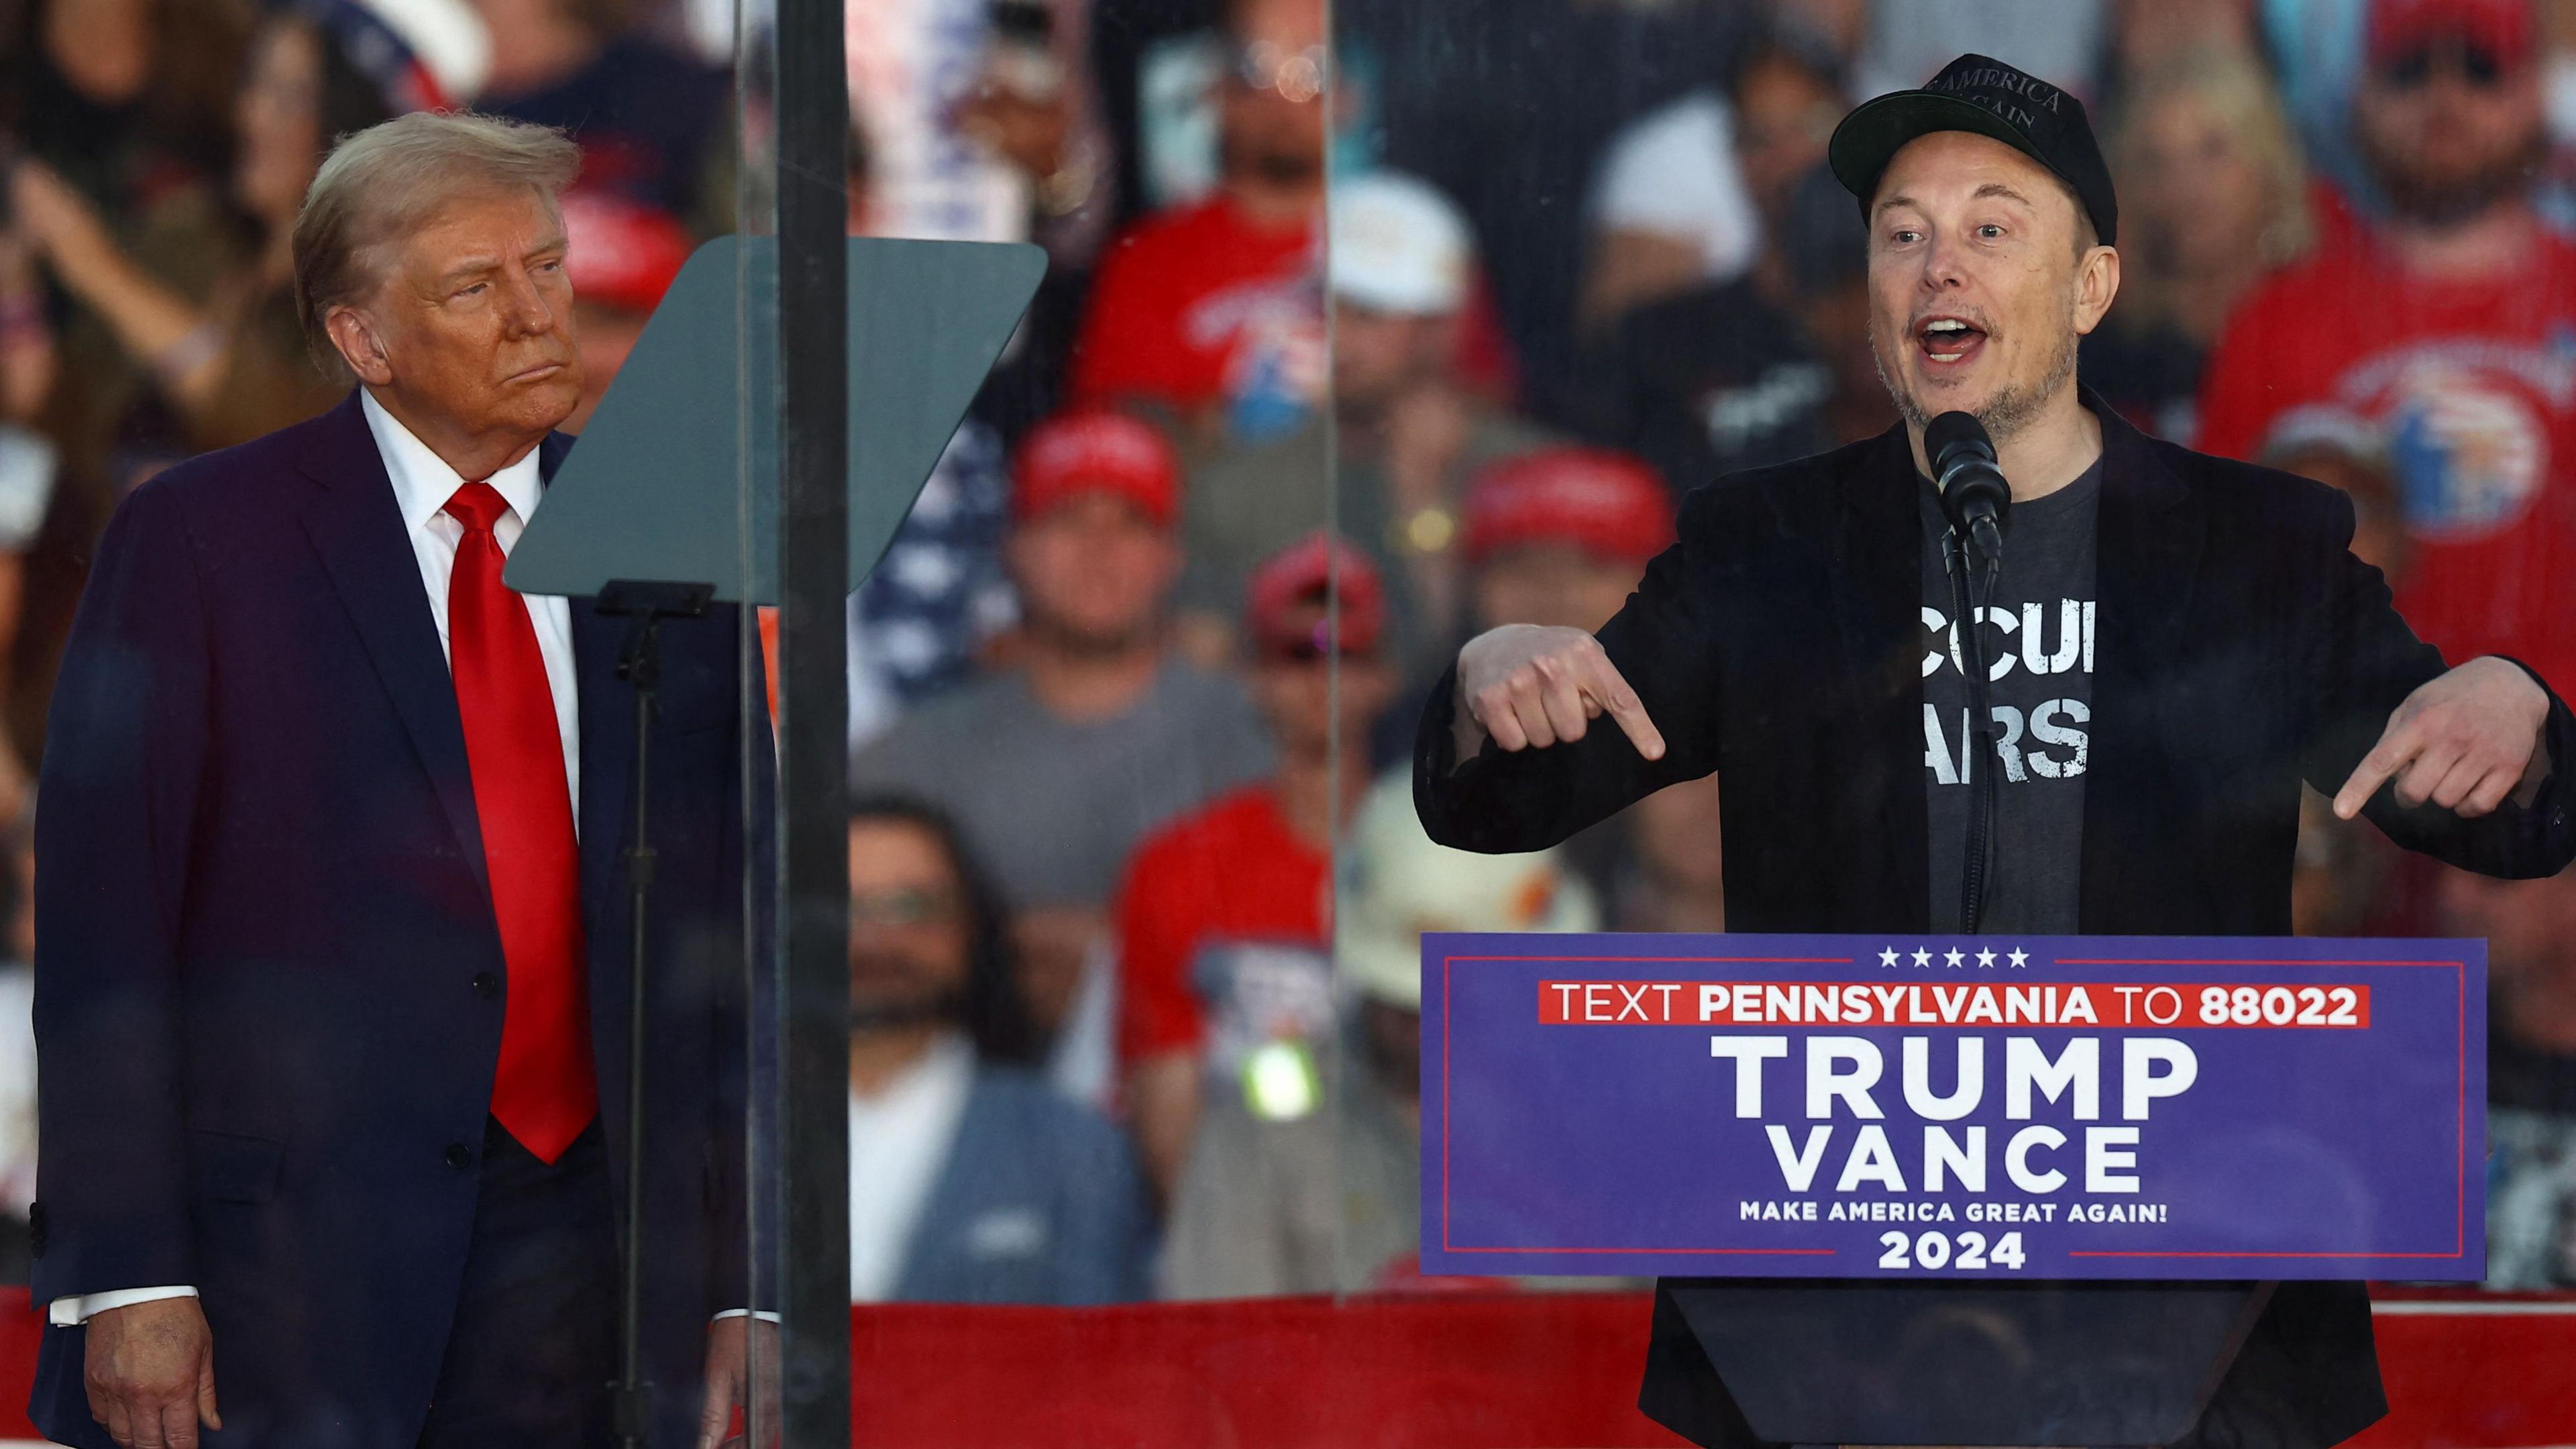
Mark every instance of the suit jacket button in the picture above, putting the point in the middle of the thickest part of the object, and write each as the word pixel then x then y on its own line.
pixel 459 1155
pixel 486 985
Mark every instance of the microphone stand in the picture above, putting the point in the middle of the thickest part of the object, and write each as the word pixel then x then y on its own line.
pixel 1967 597
pixel 644 605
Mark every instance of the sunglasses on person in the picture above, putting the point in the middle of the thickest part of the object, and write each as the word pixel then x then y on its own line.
pixel 1295 76
pixel 2481 67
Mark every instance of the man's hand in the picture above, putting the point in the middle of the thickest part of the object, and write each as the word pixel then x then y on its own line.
pixel 2465 741
pixel 729 1379
pixel 1530 686
pixel 150 1370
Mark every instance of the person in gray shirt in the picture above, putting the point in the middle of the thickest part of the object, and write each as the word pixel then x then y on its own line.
pixel 1087 734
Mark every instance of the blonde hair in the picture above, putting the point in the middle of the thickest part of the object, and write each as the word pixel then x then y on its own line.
pixel 382 182
pixel 2234 86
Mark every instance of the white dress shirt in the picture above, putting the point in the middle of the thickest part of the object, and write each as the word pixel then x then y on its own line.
pixel 422 485
pixel 899 1142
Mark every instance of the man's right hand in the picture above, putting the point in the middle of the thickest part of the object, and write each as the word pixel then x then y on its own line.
pixel 1528 686
pixel 150 1371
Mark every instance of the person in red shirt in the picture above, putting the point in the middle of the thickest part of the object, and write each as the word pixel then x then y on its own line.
pixel 1225 916
pixel 2450 326
pixel 1214 309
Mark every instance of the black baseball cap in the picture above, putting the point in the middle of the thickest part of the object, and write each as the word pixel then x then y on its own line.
pixel 1981 94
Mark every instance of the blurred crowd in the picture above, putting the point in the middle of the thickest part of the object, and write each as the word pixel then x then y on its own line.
pixel 1360 334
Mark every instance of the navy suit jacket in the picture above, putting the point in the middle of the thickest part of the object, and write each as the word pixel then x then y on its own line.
pixel 1040 1201
pixel 263 912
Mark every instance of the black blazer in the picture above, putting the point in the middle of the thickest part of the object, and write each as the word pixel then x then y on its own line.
pixel 263 931
pixel 2239 649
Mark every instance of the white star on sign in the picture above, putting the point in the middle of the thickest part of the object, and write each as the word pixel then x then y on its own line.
pixel 1922 957
pixel 1986 959
pixel 1887 957
pixel 2019 958
pixel 1955 957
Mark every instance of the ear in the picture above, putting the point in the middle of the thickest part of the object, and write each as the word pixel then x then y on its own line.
pixel 360 344
pixel 2097 281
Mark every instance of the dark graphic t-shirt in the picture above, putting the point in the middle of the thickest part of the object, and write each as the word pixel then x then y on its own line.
pixel 2039 646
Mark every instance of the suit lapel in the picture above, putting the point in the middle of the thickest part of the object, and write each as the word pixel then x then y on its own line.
pixel 357 528
pixel 2146 559
pixel 1878 595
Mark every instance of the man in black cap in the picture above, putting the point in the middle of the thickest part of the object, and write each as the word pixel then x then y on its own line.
pixel 2175 642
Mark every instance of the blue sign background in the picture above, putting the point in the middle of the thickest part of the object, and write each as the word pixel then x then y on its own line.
pixel 1616 1149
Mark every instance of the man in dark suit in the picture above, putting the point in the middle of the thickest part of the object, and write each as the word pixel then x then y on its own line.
pixel 2177 642
pixel 331 970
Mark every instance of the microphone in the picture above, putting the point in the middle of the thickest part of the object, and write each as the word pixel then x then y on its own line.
pixel 1976 498
pixel 1974 494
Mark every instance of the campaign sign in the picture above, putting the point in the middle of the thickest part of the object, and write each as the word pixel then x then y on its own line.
pixel 1938 1108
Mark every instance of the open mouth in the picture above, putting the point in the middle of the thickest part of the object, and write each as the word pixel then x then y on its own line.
pixel 1949 341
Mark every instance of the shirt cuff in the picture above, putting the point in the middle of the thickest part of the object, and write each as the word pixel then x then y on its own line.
pixel 73 1312
pixel 763 1314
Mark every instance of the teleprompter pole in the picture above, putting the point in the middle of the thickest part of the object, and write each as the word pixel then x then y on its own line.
pixel 639 663
pixel 813 121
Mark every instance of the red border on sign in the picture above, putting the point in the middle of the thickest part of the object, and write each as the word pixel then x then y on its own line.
pixel 2460 1135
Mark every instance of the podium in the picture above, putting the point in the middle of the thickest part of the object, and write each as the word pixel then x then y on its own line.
pixel 2037 1364
pixel 1968 1191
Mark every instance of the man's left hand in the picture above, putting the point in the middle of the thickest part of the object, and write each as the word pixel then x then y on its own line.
pixel 2465 741
pixel 730 1381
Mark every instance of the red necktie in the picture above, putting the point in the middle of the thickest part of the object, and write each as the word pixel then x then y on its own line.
pixel 547 1088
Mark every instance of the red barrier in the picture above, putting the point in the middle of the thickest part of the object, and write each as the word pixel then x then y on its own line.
pixel 1457 1370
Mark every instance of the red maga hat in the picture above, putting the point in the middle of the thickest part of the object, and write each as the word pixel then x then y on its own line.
pixel 621 253
pixel 1313 569
pixel 1073 455
pixel 1607 503
pixel 2507 28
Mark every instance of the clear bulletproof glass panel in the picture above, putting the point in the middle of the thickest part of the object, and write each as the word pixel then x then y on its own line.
pixel 1685 288
pixel 1482 294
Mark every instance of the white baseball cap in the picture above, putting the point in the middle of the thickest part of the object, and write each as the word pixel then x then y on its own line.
pixel 1396 244
pixel 1397 883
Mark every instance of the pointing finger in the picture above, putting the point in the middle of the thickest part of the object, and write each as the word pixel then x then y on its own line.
pixel 1610 687
pixel 2394 749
